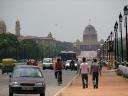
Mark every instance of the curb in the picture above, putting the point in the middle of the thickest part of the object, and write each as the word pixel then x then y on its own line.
pixel 59 93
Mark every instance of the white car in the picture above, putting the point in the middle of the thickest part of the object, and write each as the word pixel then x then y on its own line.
pixel 47 63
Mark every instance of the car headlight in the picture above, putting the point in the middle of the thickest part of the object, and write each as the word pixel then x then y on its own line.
pixel 67 64
pixel 14 84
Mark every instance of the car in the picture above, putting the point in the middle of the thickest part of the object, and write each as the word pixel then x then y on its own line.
pixel 27 79
pixel 48 63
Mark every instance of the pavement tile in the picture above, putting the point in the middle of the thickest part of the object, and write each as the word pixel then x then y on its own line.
pixel 110 85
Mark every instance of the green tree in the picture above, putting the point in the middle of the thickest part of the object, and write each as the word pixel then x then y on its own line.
pixel 8 45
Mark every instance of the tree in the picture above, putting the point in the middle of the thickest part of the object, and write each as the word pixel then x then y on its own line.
pixel 8 45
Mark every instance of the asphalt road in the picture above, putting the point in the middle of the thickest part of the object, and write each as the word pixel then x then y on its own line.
pixel 51 83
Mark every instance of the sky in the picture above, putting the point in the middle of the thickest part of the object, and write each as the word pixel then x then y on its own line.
pixel 65 19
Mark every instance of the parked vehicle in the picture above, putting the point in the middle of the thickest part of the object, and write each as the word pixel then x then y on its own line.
pixel 48 63
pixel 27 79
pixel 7 65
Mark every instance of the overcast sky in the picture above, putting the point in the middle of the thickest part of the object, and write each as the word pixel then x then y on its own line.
pixel 66 19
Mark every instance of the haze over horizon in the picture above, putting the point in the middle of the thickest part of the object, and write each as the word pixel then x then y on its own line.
pixel 66 19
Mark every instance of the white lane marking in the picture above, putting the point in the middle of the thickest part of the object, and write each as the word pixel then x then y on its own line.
pixel 70 82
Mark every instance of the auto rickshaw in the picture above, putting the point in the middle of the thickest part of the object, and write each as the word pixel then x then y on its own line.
pixel 8 65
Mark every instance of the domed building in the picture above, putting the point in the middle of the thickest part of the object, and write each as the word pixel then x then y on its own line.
pixel 2 26
pixel 89 45
pixel 89 39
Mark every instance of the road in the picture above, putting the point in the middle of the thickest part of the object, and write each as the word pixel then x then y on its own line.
pixel 51 83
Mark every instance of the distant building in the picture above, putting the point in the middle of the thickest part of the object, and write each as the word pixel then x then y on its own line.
pixel 2 26
pixel 49 40
pixel 89 43
pixel 17 28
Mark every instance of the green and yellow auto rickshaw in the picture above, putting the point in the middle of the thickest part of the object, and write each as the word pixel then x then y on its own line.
pixel 8 65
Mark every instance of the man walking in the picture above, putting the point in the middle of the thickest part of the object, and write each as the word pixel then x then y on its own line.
pixel 95 71
pixel 84 70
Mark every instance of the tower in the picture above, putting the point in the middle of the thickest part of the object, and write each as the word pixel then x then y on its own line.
pixel 2 26
pixel 17 28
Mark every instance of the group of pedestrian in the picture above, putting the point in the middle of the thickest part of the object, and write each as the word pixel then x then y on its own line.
pixel 94 70
pixel 84 69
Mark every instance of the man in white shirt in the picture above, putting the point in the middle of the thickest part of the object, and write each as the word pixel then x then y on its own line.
pixel 84 70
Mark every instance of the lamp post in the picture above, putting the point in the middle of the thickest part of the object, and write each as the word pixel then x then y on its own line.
pixel 125 14
pixel 115 48
pixel 120 26
pixel 107 49
pixel 111 36
pixel 109 67
pixel 111 50
pixel 116 44
pixel 104 49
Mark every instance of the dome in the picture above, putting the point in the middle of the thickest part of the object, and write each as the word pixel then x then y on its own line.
pixel 90 28
pixel 2 21
pixel 2 26
pixel 50 35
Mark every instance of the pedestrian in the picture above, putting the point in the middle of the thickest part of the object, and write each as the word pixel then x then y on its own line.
pixel 101 64
pixel 84 70
pixel 95 71
pixel 58 70
pixel 72 65
pixel 78 65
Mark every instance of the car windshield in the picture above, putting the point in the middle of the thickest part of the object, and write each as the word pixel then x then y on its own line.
pixel 68 61
pixel 27 72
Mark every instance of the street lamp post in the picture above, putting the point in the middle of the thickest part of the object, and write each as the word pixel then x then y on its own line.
pixel 109 53
pixel 116 44
pixel 107 49
pixel 111 36
pixel 115 48
pixel 125 14
pixel 120 26
pixel 103 51
pixel 111 50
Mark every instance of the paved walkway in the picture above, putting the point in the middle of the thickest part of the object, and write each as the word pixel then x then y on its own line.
pixel 110 85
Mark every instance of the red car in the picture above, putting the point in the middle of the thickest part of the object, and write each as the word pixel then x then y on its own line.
pixel 27 79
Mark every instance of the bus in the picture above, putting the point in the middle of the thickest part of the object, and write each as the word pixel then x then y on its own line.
pixel 67 55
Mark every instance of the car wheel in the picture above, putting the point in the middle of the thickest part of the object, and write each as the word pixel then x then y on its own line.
pixel 2 72
pixel 42 94
pixel 10 94
pixel 43 68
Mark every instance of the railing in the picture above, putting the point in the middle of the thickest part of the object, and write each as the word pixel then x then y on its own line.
pixel 122 71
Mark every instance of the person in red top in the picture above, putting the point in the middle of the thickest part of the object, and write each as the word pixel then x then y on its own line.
pixel 84 70
pixel 58 70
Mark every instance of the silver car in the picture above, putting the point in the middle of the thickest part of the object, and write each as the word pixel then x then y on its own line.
pixel 27 79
